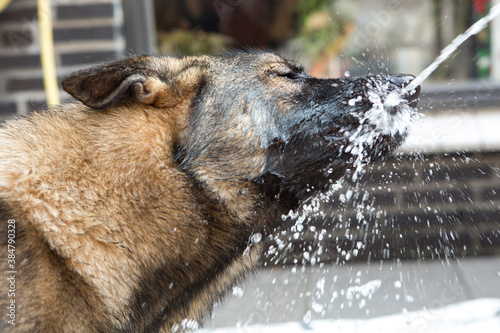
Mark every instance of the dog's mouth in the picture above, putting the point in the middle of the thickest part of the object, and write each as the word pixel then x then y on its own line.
pixel 367 120
pixel 377 121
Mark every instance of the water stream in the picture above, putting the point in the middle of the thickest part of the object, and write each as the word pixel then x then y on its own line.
pixel 447 51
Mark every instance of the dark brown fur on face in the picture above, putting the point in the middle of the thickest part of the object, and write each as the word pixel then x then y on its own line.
pixel 135 208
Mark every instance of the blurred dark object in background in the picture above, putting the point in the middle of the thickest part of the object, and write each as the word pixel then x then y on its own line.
pixel 217 24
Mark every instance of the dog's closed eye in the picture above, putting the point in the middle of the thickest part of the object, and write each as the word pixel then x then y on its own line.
pixel 289 74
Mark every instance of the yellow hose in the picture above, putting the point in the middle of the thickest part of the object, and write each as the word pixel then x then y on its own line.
pixel 3 4
pixel 47 53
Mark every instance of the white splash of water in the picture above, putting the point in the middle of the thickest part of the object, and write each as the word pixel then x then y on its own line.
pixel 378 121
pixel 310 207
pixel 387 123
pixel 365 290
pixel 238 292
pixel 186 325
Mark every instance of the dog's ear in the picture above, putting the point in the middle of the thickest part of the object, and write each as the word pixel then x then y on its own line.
pixel 136 78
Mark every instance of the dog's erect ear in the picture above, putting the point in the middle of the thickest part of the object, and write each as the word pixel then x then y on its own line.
pixel 135 78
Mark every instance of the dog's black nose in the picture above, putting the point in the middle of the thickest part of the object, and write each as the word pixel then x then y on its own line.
pixel 403 80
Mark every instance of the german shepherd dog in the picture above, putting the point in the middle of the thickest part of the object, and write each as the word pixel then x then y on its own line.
pixel 136 208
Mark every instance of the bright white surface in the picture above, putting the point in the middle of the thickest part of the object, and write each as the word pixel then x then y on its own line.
pixel 480 315
pixel 460 130
pixel 356 293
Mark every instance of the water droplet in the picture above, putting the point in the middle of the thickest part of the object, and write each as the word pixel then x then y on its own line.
pixel 317 307
pixel 409 299
pixel 238 292
pixel 306 320
pixel 256 238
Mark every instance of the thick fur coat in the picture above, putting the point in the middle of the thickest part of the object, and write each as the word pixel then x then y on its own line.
pixel 134 208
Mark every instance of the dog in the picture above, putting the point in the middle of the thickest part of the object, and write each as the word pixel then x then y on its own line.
pixel 138 206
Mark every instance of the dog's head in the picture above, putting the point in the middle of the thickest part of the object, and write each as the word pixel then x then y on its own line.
pixel 258 118
pixel 296 134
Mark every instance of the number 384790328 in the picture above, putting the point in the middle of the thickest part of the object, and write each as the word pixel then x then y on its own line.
pixel 11 234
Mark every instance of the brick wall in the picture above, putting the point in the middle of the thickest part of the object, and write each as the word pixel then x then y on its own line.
pixel 420 206
pixel 85 32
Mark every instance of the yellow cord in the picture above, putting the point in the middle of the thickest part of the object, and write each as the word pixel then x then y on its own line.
pixel 47 53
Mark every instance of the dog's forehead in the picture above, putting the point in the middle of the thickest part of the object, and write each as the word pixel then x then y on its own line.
pixel 165 64
pixel 259 61
pixel 266 58
pixel 169 66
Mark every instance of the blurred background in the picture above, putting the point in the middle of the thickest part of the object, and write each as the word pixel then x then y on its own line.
pixel 420 230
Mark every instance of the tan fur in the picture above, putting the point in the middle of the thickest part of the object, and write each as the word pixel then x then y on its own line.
pixel 136 208
pixel 99 199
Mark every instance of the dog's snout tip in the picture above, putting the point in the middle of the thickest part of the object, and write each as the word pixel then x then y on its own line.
pixel 402 80
pixel 415 92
